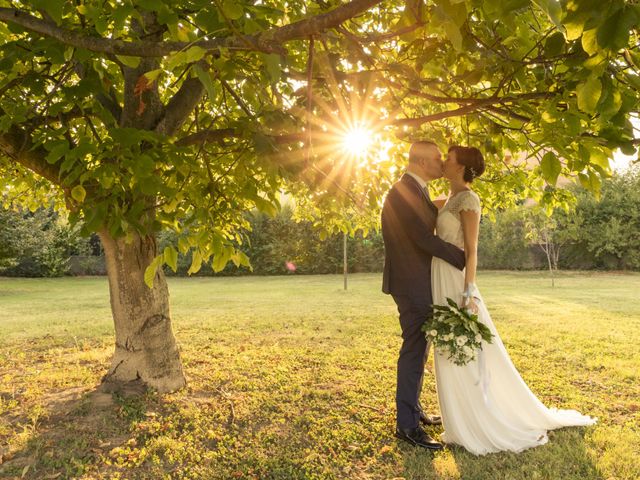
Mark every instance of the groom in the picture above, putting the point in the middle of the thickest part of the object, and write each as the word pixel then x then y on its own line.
pixel 408 225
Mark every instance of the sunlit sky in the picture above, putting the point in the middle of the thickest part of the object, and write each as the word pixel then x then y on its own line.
pixel 620 160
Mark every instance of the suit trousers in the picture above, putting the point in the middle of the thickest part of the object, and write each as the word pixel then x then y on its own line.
pixel 413 312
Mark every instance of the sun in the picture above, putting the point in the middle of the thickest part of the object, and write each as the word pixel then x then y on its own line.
pixel 357 141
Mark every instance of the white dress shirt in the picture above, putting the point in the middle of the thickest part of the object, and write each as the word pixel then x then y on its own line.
pixel 419 179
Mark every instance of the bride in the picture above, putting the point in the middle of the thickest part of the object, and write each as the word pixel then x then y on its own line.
pixel 485 405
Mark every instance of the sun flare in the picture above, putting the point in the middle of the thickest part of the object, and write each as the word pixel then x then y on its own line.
pixel 357 141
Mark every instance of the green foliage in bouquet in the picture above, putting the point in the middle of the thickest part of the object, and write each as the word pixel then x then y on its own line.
pixel 456 331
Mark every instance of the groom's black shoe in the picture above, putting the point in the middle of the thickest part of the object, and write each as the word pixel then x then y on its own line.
pixel 430 419
pixel 418 437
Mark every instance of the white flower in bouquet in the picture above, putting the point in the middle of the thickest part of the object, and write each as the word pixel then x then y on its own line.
pixel 464 334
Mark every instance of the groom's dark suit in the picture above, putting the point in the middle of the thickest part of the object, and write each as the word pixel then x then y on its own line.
pixel 408 225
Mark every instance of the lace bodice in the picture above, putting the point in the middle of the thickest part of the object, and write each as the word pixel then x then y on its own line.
pixel 449 226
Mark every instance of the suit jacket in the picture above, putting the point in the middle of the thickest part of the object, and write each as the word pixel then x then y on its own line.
pixel 408 225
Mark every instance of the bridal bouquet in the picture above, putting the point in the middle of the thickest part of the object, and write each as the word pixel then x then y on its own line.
pixel 456 331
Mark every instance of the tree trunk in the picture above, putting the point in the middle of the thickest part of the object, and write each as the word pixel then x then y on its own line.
pixel 548 252
pixel 145 351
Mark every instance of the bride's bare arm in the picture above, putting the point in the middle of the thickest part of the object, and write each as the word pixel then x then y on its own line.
pixel 471 227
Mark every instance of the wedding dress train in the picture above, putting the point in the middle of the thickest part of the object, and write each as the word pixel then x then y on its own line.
pixel 485 405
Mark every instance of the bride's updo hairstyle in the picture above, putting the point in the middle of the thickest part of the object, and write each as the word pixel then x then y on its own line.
pixel 471 159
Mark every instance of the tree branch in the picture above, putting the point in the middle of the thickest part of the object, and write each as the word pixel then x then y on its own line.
pixel 268 41
pixel 469 108
pixel 17 145
pixel 220 134
pixel 180 106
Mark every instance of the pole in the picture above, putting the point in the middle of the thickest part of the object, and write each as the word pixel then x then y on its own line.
pixel 344 258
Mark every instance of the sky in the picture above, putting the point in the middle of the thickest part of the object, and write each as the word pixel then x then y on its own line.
pixel 620 160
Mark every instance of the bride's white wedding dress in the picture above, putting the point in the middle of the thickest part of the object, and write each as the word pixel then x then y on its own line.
pixel 485 405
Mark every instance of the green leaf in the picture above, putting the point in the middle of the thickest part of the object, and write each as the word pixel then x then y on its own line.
pixel 208 20
pixel 611 103
pixel 613 33
pixel 588 94
pixel 151 5
pixel 95 218
pixel 263 144
pixel 206 80
pixel 272 64
pixel 554 44
pixel 591 182
pixel 552 8
pixel 183 245
pixel 590 42
pixel 240 258
pixel 551 167
pixel 195 53
pixel 57 150
pixel 131 62
pixel 120 15
pixel 171 257
pixel 153 74
pixel 191 55
pixel 599 158
pixel 265 206
pixel 575 21
pixel 232 9
pixel 453 34
pixel 196 262
pixel 54 8
pixel 178 32
pixel 143 166
pixel 150 271
pixel 221 260
pixel 78 193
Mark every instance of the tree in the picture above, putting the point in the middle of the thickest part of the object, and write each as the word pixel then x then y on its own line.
pixel 136 116
pixel 609 229
pixel 543 230
pixel 37 244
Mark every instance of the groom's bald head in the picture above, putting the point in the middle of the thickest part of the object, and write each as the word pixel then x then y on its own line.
pixel 422 149
pixel 425 159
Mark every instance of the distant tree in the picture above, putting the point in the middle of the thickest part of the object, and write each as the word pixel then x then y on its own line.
pixel 542 230
pixel 38 243
pixel 608 230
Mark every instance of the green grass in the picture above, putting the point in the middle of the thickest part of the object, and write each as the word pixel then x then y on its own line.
pixel 291 377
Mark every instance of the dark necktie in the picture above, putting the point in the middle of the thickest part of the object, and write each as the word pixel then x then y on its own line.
pixel 426 192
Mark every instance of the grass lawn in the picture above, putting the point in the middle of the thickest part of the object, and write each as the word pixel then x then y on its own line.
pixel 292 377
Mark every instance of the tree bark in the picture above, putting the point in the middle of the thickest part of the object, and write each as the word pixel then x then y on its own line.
pixel 145 348
pixel 547 251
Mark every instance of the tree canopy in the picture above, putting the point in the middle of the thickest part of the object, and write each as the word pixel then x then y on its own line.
pixel 142 115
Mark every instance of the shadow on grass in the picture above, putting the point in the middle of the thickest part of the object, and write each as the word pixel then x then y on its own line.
pixel 564 457
pixel 77 429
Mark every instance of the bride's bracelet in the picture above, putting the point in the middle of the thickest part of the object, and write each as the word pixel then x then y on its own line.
pixel 471 291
